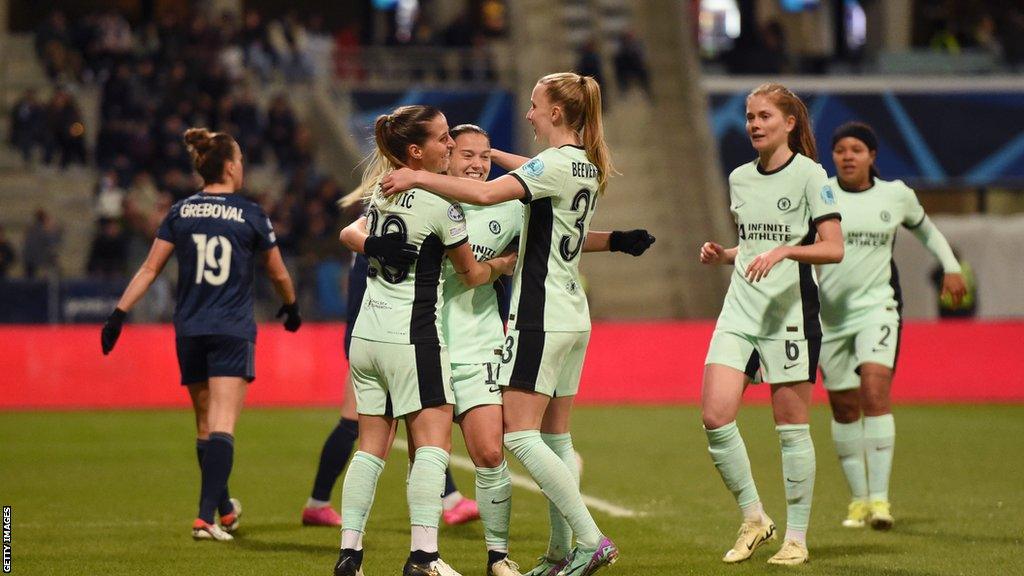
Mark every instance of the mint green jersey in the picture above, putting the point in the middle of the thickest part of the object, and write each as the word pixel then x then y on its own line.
pixel 403 305
pixel 561 195
pixel 864 288
pixel 772 209
pixel 472 324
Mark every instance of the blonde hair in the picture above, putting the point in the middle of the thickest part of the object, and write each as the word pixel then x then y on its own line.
pixel 801 139
pixel 393 134
pixel 580 100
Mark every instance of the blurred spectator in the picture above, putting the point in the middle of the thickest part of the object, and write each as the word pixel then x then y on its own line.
pixel 42 242
pixel 65 130
pixel 108 254
pixel 28 124
pixel 758 51
pixel 985 36
pixel 281 126
pixel 109 197
pixel 631 64
pixel 7 255
pixel 589 62
pixel 53 43
pixel 494 18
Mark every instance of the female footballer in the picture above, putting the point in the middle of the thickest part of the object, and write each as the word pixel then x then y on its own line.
pixel 218 236
pixel 398 363
pixel 861 317
pixel 549 324
pixel 768 329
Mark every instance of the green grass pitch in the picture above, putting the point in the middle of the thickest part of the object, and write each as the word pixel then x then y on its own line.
pixel 115 493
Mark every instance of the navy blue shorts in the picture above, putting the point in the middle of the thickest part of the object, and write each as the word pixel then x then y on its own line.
pixel 203 357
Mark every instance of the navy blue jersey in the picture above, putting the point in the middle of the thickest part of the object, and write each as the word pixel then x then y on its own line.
pixel 216 237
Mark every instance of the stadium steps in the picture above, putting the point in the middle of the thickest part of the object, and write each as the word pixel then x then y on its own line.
pixel 670 182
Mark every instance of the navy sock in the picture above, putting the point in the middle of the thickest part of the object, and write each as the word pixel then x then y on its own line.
pixel 217 461
pixel 449 483
pixel 333 457
pixel 224 506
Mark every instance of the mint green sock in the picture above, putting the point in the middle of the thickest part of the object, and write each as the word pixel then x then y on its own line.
pixel 494 498
pixel 557 482
pixel 729 454
pixel 879 440
pixel 426 483
pixel 358 490
pixel 798 467
pixel 849 441
pixel 560 541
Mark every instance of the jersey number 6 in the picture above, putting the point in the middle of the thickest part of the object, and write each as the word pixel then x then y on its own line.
pixel 581 197
pixel 209 267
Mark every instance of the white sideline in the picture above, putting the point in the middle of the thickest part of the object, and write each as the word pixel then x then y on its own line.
pixel 605 506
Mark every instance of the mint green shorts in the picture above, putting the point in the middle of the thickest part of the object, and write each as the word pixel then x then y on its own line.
pixel 397 379
pixel 476 385
pixel 841 358
pixel 546 362
pixel 764 359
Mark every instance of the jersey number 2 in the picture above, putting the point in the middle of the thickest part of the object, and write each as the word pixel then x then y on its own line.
pixel 210 266
pixel 581 197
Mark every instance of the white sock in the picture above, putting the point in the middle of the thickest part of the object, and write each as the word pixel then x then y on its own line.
pixel 451 501
pixel 424 538
pixel 314 503
pixel 798 535
pixel 753 511
pixel 352 539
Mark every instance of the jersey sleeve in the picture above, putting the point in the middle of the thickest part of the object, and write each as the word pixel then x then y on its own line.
pixel 913 215
pixel 821 198
pixel 450 224
pixel 166 229
pixel 540 177
pixel 265 237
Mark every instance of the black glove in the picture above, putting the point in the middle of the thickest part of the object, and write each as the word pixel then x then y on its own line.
pixel 391 249
pixel 634 242
pixel 293 320
pixel 112 330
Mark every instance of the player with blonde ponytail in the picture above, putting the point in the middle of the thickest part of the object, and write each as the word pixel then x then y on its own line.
pixel 549 324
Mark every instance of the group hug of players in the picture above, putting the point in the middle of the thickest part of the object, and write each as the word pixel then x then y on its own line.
pixel 430 346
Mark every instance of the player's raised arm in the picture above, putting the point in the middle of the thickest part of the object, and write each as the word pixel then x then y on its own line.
pixel 632 242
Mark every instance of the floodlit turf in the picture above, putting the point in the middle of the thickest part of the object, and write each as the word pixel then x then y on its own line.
pixel 115 492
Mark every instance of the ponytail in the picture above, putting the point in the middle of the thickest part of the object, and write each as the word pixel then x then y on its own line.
pixel 580 99
pixel 801 139
pixel 393 134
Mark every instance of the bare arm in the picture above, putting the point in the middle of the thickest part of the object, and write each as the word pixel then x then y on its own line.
pixel 714 253
pixel 597 241
pixel 507 160
pixel 827 249
pixel 159 254
pixel 473 273
pixel 278 275
pixel 458 189
pixel 354 235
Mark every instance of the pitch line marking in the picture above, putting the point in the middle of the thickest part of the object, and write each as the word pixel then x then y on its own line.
pixel 527 483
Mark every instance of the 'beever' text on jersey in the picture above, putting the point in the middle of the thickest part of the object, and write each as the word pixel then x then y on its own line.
pixel 584 170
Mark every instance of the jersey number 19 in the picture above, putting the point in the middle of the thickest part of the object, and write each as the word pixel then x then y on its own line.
pixel 210 267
